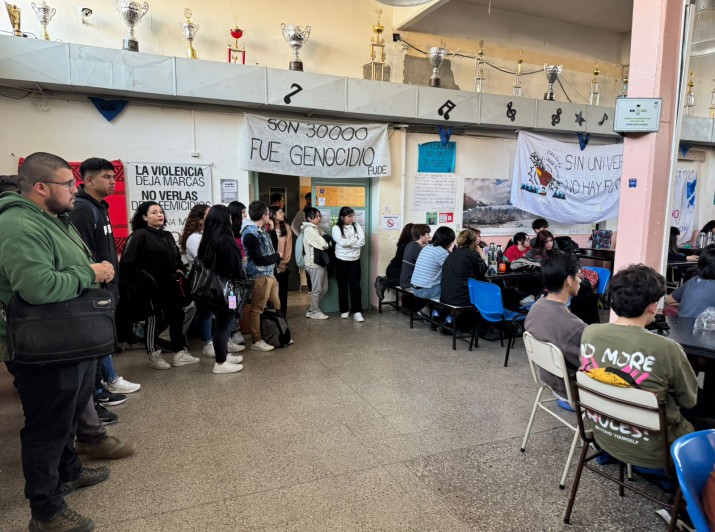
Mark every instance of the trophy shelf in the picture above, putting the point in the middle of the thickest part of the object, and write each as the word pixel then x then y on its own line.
pixel 446 107
pixel 378 100
pixel 698 129
pixel 507 111
pixel 560 116
pixel 27 62
pixel 220 83
pixel 600 120
pixel 305 92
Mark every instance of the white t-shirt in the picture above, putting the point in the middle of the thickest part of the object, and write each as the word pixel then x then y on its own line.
pixel 192 247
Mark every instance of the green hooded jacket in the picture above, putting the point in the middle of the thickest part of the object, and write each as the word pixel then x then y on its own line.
pixel 42 257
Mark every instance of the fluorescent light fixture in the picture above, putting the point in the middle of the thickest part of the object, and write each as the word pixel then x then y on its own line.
pixel 703 41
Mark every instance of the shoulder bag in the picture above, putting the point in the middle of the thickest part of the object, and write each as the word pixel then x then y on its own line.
pixel 214 291
pixel 69 331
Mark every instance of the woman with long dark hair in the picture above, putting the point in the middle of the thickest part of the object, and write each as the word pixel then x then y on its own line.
pixel 238 214
pixel 149 266
pixel 282 238
pixel 543 246
pixel 394 269
pixel 517 247
pixel 349 238
pixel 191 235
pixel 218 253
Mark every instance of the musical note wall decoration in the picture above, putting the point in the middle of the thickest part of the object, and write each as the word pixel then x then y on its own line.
pixel 603 120
pixel 510 112
pixel 450 105
pixel 287 98
pixel 556 118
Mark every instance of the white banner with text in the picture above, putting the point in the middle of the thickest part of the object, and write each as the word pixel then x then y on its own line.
pixel 316 149
pixel 176 187
pixel 558 181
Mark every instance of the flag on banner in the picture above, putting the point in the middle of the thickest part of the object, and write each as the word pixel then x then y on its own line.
pixel 683 215
pixel 109 109
pixel 560 182
pixel 295 147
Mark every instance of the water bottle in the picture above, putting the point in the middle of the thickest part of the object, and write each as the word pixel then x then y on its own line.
pixel 500 255
pixel 702 240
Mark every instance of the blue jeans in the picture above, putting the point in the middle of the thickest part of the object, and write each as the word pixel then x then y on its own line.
pixel 204 317
pixel 428 293
pixel 108 371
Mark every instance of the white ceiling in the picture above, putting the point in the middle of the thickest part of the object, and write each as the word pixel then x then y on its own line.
pixel 611 15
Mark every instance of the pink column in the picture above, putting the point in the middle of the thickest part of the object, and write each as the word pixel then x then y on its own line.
pixel 655 47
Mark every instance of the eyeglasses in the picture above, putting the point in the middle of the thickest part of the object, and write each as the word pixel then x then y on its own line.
pixel 69 184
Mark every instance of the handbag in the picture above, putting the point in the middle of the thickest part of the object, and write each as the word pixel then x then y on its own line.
pixel 214 291
pixel 321 257
pixel 69 331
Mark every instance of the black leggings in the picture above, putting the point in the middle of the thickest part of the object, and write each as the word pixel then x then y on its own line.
pixel 347 274
pixel 175 314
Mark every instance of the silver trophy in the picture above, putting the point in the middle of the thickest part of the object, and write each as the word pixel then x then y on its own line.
pixel 552 74
pixel 190 30
pixel 44 15
pixel 131 13
pixel 296 37
pixel 436 58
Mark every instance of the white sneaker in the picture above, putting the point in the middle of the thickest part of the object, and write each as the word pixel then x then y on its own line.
pixel 318 316
pixel 233 347
pixel 184 358
pixel 238 338
pixel 358 316
pixel 209 350
pixel 308 314
pixel 227 367
pixel 345 315
pixel 260 345
pixel 527 300
pixel 156 362
pixel 234 359
pixel 122 386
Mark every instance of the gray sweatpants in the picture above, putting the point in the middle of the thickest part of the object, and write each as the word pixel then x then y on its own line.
pixel 319 285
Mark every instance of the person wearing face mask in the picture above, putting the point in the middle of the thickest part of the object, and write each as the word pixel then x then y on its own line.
pixel 149 265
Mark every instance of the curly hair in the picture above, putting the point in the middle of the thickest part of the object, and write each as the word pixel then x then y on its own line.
pixel 634 288
pixel 138 221
pixel 192 224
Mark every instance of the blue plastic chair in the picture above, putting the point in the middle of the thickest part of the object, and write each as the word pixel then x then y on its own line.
pixel 486 297
pixel 694 457
pixel 604 275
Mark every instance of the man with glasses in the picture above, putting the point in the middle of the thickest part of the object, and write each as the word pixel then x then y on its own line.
pixel 90 217
pixel 48 263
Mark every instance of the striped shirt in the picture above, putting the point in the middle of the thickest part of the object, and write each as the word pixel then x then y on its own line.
pixel 428 269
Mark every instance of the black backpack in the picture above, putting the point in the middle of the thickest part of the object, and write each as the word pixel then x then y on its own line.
pixel 274 328
pixel 567 244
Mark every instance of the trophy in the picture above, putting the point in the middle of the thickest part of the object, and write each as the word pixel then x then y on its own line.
pixel 44 15
pixel 296 37
pixel 690 96
pixel 14 13
pixel 233 50
pixel 516 86
pixel 436 58
pixel 190 30
pixel 552 74
pixel 131 13
pixel 712 103
pixel 594 96
pixel 479 69
pixel 377 50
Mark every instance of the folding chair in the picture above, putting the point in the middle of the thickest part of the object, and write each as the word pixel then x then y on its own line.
pixel 631 406
pixel 548 357
pixel 487 298
pixel 694 456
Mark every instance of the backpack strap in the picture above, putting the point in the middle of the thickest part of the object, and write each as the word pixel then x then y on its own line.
pixel 93 208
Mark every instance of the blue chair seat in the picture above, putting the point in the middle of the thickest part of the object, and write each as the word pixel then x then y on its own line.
pixel 694 457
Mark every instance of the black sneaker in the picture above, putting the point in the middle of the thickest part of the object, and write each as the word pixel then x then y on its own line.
pixel 108 398
pixel 65 521
pixel 379 288
pixel 89 476
pixel 105 416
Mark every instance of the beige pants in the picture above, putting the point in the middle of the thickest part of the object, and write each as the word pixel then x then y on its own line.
pixel 265 289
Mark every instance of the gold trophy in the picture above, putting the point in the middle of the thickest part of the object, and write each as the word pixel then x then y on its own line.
pixel 44 15
pixel 14 13
pixel 377 50
pixel 190 30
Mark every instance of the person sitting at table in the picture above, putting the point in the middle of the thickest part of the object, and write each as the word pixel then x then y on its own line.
pixel 625 354
pixel 550 319
pixel 693 297
pixel 428 269
pixel 707 229
pixel 538 225
pixel 420 238
pixel 465 262
pixel 517 247
pixel 394 269
pixel 543 245
pixel 673 253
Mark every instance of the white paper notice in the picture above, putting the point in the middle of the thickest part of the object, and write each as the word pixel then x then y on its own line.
pixel 434 192
pixel 391 222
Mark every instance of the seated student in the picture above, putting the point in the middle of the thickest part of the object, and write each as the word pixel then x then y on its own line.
pixel 538 225
pixel 550 319
pixel 624 353
pixel 394 269
pixel 698 293
pixel 518 247
pixel 465 262
pixel 707 229
pixel 673 253
pixel 428 269
pixel 420 238
pixel 542 246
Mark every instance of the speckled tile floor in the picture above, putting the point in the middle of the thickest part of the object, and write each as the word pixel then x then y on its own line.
pixel 369 426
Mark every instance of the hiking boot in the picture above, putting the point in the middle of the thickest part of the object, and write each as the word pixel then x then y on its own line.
pixel 64 521
pixel 184 358
pixel 157 362
pixel 109 448
pixel 260 345
pixel 121 385
pixel 106 398
pixel 105 416
pixel 89 476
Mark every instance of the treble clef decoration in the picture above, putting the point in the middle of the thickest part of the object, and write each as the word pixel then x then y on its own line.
pixel 556 118
pixel 510 113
